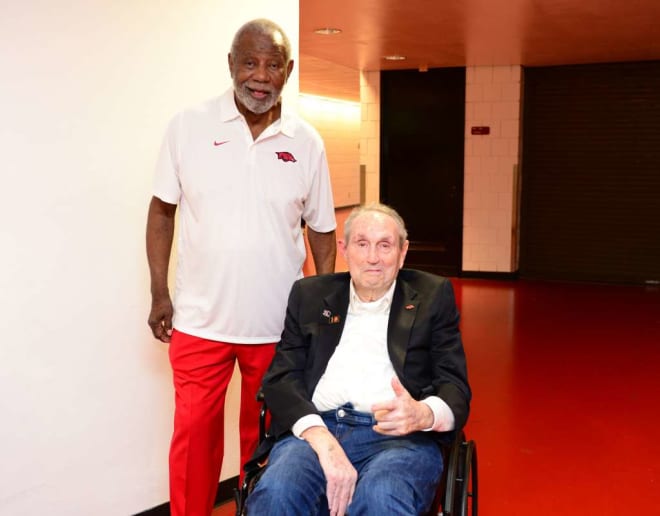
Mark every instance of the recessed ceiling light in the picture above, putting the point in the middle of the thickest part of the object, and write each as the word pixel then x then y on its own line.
pixel 394 57
pixel 327 31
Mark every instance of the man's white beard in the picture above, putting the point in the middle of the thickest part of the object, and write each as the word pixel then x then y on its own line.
pixel 256 106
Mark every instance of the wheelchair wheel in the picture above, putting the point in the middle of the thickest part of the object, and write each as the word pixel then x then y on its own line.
pixel 467 486
pixel 460 481
pixel 450 475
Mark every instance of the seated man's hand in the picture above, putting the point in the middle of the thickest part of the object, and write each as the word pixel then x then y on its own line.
pixel 340 474
pixel 402 415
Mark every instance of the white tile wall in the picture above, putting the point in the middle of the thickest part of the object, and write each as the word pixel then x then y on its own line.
pixel 370 133
pixel 492 99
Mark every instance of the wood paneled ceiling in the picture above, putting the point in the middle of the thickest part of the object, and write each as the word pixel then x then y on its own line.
pixel 444 33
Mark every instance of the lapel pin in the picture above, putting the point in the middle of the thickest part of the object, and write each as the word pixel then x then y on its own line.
pixel 410 307
pixel 332 319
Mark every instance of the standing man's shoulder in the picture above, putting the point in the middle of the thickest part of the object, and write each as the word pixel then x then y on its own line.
pixel 212 107
pixel 198 121
pixel 300 129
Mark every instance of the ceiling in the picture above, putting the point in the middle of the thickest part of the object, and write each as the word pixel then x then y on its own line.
pixel 445 33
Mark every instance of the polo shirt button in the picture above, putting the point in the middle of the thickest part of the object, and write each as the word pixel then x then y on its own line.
pixel 341 412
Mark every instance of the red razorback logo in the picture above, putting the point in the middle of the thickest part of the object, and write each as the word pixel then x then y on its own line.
pixel 286 156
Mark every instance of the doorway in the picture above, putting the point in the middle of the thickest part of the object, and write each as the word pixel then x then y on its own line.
pixel 421 162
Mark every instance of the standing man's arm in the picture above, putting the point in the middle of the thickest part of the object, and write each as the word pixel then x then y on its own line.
pixel 160 233
pixel 324 250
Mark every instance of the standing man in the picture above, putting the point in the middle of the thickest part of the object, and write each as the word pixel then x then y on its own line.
pixel 244 173
pixel 369 376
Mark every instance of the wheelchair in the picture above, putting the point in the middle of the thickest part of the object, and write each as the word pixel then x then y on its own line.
pixel 457 494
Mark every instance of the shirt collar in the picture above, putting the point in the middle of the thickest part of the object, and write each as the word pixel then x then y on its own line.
pixel 380 306
pixel 229 111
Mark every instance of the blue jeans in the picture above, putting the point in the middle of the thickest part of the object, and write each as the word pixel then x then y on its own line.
pixel 396 475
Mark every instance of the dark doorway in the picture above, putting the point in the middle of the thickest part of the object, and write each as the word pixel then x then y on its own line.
pixel 421 162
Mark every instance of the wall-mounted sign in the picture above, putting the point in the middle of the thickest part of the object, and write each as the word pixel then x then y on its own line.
pixel 480 129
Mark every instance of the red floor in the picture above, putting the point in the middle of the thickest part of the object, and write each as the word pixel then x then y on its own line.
pixel 566 379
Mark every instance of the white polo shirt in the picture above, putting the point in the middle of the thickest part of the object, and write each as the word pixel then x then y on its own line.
pixel 240 245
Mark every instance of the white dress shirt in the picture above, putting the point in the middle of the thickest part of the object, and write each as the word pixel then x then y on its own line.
pixel 360 370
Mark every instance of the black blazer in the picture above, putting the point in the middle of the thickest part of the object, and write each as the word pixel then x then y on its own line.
pixel 423 341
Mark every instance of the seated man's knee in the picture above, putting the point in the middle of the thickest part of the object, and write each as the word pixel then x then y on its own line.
pixel 388 487
pixel 280 499
pixel 293 483
pixel 384 495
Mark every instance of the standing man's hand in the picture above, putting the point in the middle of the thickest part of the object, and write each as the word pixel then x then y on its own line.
pixel 340 474
pixel 401 415
pixel 160 232
pixel 160 317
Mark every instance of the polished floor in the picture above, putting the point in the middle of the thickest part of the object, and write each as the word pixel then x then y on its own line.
pixel 566 381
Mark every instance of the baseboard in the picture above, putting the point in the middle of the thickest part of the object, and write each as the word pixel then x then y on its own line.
pixel 501 276
pixel 225 494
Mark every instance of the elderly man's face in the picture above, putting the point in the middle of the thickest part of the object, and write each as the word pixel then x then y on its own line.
pixel 259 70
pixel 373 254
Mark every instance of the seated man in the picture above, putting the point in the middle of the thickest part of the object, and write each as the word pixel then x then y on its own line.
pixel 369 373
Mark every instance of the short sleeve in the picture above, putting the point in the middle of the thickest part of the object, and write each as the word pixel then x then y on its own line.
pixel 166 184
pixel 319 210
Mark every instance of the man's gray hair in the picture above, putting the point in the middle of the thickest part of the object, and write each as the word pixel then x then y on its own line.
pixel 376 208
pixel 264 27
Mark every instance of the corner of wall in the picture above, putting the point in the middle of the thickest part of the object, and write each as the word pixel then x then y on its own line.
pixel 492 101
pixel 370 133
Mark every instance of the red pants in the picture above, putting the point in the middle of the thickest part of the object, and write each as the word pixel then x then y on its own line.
pixel 202 370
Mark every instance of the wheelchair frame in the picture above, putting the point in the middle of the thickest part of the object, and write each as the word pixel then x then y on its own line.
pixel 457 493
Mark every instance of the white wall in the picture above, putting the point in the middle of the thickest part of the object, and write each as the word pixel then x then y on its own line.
pixel 490 227
pixel 370 133
pixel 86 89
pixel 338 123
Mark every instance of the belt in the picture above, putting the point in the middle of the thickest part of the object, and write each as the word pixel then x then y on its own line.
pixel 348 415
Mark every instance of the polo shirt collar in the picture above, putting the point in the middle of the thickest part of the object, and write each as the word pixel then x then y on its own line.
pixel 287 122
pixel 228 112
pixel 228 109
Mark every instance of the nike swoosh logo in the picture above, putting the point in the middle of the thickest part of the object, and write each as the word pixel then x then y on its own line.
pixel 220 143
